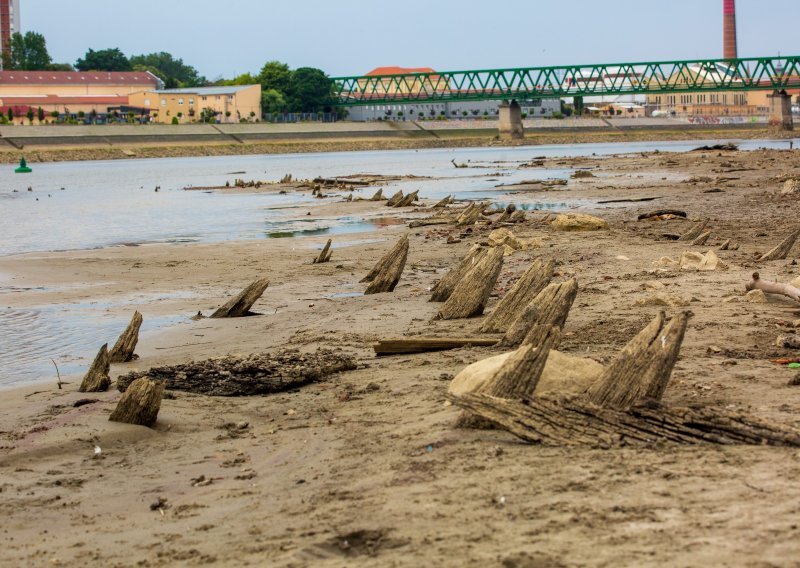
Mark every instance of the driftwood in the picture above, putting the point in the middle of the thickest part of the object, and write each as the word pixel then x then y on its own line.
pixel 550 308
pixel 260 373
pixel 701 240
pixel 408 345
pixel 629 200
pixel 378 195
pixel 782 250
pixel 386 259
pixel 726 245
pixel 97 378
pixel 434 220
pixel 392 269
pixel 471 294
pixel 660 212
pixel 519 375
pixel 694 232
pixel 773 287
pixel 444 287
pixel 240 305
pixel 408 200
pixel 471 214
pixel 395 199
pixel 521 294
pixel 443 203
pixel 140 403
pixel 325 254
pixel 125 347
pixel 517 217
pixel 507 214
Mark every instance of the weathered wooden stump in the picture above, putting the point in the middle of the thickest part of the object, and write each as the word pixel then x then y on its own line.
pixel 408 200
pixel 325 254
pixel 525 289
pixel 782 250
pixel 391 269
pixel 701 240
pixel 694 232
pixel 378 195
pixel 471 214
pixel 395 199
pixel 97 378
pixel 507 213
pixel 471 294
pixel 386 259
pixel 442 203
pixel 444 287
pixel 550 307
pixel 240 305
pixel 140 403
pixel 125 347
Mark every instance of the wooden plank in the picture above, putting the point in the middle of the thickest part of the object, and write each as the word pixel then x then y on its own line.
pixel 407 345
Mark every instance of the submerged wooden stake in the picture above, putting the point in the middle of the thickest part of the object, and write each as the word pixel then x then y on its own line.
pixel 387 278
pixel 525 289
pixel 97 378
pixel 550 307
pixel 408 200
pixel 409 345
pixel 386 259
pixel 325 254
pixel 694 232
pixel 124 348
pixel 140 403
pixel 471 294
pixel 782 250
pixel 240 305
pixel 378 195
pixel 395 199
pixel 444 287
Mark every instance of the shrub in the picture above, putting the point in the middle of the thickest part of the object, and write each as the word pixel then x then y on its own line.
pixel 557 115
pixel 81 114
pixel 175 120
pixel 40 114
pixel 30 115
pixel 55 114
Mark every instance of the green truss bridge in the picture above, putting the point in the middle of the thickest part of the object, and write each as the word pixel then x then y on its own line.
pixel 703 75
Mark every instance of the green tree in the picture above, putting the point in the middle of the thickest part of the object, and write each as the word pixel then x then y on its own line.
pixel 28 52
pixel 30 115
pixel 104 60
pixel 272 101
pixel 10 114
pixel 169 69
pixel 310 90
pixel 275 75
pixel 40 114
pixel 60 67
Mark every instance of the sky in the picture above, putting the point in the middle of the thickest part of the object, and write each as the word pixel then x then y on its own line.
pixel 351 37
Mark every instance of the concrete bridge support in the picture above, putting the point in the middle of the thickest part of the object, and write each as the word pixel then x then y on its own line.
pixel 511 121
pixel 780 111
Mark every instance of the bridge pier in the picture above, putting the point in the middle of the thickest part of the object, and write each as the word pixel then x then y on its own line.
pixel 780 111
pixel 511 121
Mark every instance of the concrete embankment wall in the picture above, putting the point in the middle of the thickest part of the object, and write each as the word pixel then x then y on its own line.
pixel 121 135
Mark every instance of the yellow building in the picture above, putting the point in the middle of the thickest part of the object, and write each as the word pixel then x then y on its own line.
pixel 219 104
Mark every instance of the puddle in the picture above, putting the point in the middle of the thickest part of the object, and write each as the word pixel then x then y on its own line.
pixel 345 295
pixel 335 226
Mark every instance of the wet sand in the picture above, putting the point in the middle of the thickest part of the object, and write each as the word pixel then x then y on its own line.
pixel 368 468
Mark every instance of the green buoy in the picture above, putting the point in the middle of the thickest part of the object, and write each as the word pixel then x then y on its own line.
pixel 23 167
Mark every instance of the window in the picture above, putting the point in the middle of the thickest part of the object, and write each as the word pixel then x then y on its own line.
pixel 180 101
pixel 163 102
pixel 204 98
pixel 147 102
pixel 191 102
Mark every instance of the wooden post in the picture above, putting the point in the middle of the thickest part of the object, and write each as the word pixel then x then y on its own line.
pixel 395 199
pixel 782 250
pixel 550 307
pixel 378 195
pixel 140 403
pixel 386 259
pixel 444 287
pixel 470 296
pixel 240 305
pixel 525 289
pixel 389 276
pixel 325 254
pixel 443 203
pixel 408 200
pixel 694 232
pixel 124 348
pixel 97 378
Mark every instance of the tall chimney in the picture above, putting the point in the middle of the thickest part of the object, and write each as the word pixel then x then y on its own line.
pixel 729 16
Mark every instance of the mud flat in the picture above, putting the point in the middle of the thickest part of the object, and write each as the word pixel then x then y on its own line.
pixel 368 467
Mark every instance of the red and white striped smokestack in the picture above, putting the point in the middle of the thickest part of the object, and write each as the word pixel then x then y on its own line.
pixel 729 16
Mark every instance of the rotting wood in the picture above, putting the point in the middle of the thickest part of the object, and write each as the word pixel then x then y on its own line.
pixel 784 289
pixel 471 294
pixel 378 195
pixel 256 374
pixel 550 307
pixel 395 199
pixel 410 345
pixel 525 289
pixel 629 200
pixel 643 367
pixel 470 215
pixel 660 212
pixel 97 379
pixel 443 203
pixel 125 347
pixel 444 287
pixel 140 403
pixel 239 306
pixel 726 245
pixel 694 232
pixel 325 254
pixel 519 375
pixel 386 259
pixel 408 200
pixel 386 280
pixel 427 221
pixel 782 250
pixel 517 217
pixel 701 240
pixel 576 421
pixel 508 212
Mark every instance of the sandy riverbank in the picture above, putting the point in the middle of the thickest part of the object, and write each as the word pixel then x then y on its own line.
pixel 367 468
pixel 81 151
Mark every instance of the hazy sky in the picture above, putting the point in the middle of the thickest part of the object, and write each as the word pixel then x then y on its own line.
pixel 350 37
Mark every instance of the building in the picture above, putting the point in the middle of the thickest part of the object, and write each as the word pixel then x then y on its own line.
pixel 70 93
pixel 218 104
pixel 9 25
pixel 433 83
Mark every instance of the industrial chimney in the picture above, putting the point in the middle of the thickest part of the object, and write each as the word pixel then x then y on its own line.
pixel 729 16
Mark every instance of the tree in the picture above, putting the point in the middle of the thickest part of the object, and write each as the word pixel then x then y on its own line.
pixel 30 115
pixel 40 114
pixel 275 75
pixel 174 72
pixel 310 90
pixel 10 114
pixel 104 60
pixel 27 52
pixel 272 101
